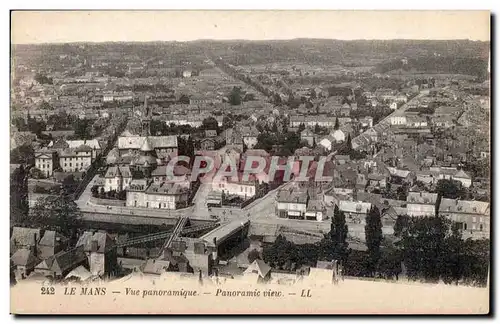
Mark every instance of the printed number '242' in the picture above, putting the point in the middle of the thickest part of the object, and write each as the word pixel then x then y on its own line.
pixel 48 291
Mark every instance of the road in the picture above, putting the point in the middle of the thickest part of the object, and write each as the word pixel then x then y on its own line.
pixel 386 122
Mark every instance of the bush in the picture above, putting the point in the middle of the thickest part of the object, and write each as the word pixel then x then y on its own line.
pixel 253 255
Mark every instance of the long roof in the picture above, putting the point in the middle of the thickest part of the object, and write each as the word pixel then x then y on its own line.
pixel 464 206
pixel 136 142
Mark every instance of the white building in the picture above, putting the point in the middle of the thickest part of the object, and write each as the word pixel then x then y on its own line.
pixel 244 189
pixel 421 204
pixel 158 196
pixel 117 178
pixel 44 161
pixel 398 120
pixel 75 159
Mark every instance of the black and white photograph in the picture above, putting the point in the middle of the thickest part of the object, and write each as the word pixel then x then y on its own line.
pixel 250 162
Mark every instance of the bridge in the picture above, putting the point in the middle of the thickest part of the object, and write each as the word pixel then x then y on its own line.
pixel 169 236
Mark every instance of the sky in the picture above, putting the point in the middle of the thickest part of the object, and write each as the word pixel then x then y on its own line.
pixel 29 27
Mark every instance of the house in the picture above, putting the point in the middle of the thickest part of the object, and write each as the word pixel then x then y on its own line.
pixel 93 144
pixel 62 263
pixel 207 144
pixel 366 121
pixel 163 174
pixel 400 175
pixel 292 203
pixel 186 73
pixel 117 178
pixel 157 195
pixel 238 187
pixel 473 217
pixel 51 243
pixel 421 204
pixel 45 161
pixel 24 260
pixel 393 105
pixel 100 250
pixel 75 159
pixel 308 136
pixel 160 144
pixel 443 121
pixel 427 177
pixel 258 270
pixel 210 133
pixel 315 210
pixel 398 120
pixel 341 159
pixel 416 122
pixel 23 238
pixel 338 135
pixel 355 211
pixel 463 177
pixel 327 142
pixel 249 135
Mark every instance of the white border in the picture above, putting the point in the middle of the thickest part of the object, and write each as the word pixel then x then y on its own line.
pixel 190 4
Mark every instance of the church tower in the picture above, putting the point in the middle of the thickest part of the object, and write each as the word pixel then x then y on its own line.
pixel 146 119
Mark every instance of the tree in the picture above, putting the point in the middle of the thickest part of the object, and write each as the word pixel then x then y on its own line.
pixel 68 185
pixel 36 173
pixel 235 96
pixel 58 213
pixel 338 235
pixel 210 123
pixel 23 154
pixel 227 122
pixel 301 127
pixel 253 255
pixel 373 234
pixel 447 188
pixel 19 196
pixel 336 124
pixel 95 191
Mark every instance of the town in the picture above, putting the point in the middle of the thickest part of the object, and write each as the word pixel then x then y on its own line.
pixel 372 161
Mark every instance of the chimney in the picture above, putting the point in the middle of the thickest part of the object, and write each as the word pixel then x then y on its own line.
pixel 94 246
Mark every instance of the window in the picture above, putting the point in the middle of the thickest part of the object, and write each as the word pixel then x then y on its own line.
pixel 480 220
pixel 473 226
pixel 473 219
pixel 481 227
pixel 465 226
pixel 65 165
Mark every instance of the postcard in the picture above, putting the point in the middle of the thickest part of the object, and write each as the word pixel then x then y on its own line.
pixel 250 162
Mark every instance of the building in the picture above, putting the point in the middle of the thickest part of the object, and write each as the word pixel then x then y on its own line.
pixel 243 189
pixel 398 120
pixel 473 217
pixel 100 250
pixel 45 161
pixel 338 135
pixel 92 144
pixel 157 195
pixel 249 135
pixel 187 73
pixel 416 122
pixel 292 203
pixel 355 211
pixel 51 243
pixel 308 136
pixel 75 159
pixel 62 263
pixel 161 144
pixel 421 204
pixel 117 178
